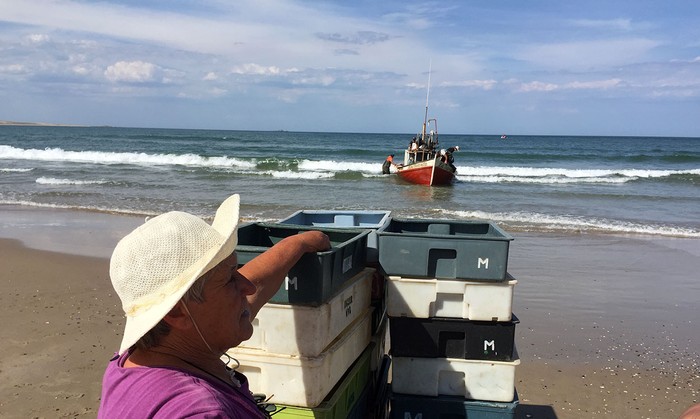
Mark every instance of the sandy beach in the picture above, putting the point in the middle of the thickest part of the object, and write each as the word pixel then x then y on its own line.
pixel 608 324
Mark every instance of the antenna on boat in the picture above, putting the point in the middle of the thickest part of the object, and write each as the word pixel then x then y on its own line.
pixel 427 96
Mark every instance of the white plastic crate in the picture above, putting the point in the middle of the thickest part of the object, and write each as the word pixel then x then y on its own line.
pixel 472 379
pixel 304 330
pixel 473 300
pixel 304 381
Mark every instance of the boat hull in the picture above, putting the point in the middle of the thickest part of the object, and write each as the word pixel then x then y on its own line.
pixel 430 173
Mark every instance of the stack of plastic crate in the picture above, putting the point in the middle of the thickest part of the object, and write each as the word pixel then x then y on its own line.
pixel 311 349
pixel 452 332
pixel 370 220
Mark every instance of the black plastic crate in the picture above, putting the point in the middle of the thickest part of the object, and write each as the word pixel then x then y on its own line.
pixel 316 277
pixel 439 337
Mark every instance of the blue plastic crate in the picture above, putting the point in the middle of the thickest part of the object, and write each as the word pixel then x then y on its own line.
pixel 449 407
pixel 363 219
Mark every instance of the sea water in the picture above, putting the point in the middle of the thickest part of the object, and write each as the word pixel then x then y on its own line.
pixel 567 184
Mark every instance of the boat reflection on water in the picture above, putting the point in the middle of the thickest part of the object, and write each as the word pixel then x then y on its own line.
pixel 412 194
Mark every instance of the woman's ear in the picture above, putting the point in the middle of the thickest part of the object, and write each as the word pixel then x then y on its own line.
pixel 177 317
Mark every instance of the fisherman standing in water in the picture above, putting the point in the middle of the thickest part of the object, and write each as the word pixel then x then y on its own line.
pixel 450 157
pixel 387 164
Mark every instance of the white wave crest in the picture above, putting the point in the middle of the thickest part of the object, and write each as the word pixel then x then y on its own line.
pixel 543 180
pixel 12 170
pixel 334 166
pixel 543 175
pixel 299 175
pixel 53 181
pixel 78 207
pixel 571 223
pixel 102 157
pixel 569 173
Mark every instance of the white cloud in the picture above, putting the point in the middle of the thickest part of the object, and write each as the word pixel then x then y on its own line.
pixel 357 38
pixel 130 71
pixel 619 24
pixel 81 70
pixel 12 68
pixel 255 69
pixel 595 84
pixel 217 91
pixel 537 86
pixel 288 49
pixel 288 95
pixel 320 80
pixel 36 38
pixel 480 84
pixel 588 54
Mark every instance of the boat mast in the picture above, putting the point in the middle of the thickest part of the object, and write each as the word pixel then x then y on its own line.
pixel 427 95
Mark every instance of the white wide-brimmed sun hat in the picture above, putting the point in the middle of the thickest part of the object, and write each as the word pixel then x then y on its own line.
pixel 154 265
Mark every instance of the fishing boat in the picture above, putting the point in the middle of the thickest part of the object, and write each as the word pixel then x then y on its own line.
pixel 424 163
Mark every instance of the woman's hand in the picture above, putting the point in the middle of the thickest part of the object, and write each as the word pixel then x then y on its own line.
pixel 314 241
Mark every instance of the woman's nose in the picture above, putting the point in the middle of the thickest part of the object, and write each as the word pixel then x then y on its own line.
pixel 246 287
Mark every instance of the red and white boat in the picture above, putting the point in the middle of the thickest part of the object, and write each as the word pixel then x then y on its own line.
pixel 424 163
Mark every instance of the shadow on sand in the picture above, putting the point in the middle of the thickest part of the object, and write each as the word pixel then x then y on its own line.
pixel 533 411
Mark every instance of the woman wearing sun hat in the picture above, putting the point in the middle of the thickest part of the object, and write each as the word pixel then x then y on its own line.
pixel 186 304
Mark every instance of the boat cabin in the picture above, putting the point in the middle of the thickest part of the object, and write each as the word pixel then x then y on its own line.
pixel 423 147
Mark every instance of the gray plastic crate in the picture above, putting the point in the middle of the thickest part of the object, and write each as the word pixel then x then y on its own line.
pixel 366 219
pixel 316 277
pixel 444 249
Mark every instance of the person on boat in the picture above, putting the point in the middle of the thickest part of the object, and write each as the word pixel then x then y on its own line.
pixel 186 303
pixel 449 158
pixel 387 164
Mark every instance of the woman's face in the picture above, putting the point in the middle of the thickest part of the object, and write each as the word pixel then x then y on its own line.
pixel 224 316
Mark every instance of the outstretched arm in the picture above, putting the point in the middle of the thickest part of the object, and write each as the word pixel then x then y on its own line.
pixel 268 270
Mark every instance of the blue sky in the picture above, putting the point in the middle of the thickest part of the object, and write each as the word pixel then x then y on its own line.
pixel 599 67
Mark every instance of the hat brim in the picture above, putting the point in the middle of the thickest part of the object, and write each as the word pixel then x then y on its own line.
pixel 142 321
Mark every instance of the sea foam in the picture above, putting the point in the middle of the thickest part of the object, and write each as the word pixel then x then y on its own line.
pixel 543 222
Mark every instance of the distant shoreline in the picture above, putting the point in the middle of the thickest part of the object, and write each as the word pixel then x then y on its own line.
pixel 37 124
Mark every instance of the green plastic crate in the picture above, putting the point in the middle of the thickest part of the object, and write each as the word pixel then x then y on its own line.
pixel 444 249
pixel 316 277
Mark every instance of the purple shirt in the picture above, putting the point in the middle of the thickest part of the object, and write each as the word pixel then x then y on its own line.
pixel 170 392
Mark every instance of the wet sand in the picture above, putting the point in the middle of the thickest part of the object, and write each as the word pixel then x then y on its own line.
pixel 608 324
